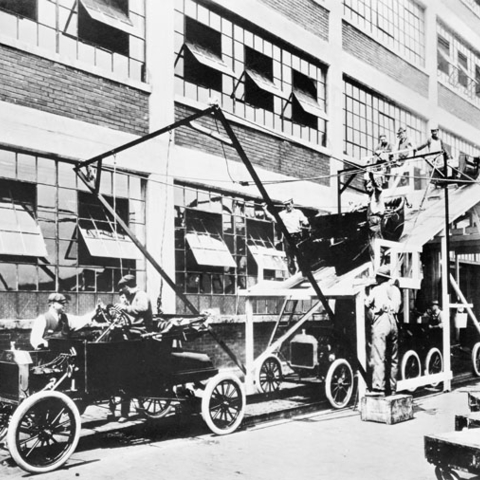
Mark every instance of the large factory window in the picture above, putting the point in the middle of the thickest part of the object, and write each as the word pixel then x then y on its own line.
pixel 106 34
pixel 222 242
pixel 367 114
pixel 396 24
pixel 457 64
pixel 250 74
pixel 55 237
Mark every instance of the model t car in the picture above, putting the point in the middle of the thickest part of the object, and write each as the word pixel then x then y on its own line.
pixel 43 394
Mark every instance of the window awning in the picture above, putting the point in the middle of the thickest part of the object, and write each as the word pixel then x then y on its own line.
pixel 109 13
pixel 265 83
pixel 101 243
pixel 208 58
pixel 268 258
pixel 210 251
pixel 19 232
pixel 309 104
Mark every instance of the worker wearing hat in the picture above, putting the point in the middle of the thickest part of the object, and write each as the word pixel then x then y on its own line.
pixel 435 144
pixel 384 303
pixel 404 143
pixel 56 322
pixel 434 317
pixel 137 306
pixel 294 220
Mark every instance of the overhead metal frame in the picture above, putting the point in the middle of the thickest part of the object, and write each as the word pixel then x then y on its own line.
pixel 93 182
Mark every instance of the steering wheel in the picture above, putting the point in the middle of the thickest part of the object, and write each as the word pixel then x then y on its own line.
pixel 120 320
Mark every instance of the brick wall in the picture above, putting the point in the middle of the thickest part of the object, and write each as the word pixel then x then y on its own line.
pixel 307 13
pixel 458 106
pixel 263 150
pixel 371 52
pixel 55 88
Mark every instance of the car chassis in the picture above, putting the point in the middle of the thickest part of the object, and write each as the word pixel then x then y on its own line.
pixel 44 393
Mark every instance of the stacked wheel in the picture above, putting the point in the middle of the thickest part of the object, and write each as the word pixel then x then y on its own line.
pixel 44 431
pixel 476 359
pixel 411 367
pixel 434 363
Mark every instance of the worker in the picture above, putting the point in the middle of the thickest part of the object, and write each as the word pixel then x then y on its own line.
pixel 294 220
pixel 55 321
pixel 375 212
pixel 135 304
pixel 435 144
pixel 384 304
pixel 434 320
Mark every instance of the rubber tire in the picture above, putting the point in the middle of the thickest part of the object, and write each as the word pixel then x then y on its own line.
pixel 166 408
pixel 269 376
pixel 17 418
pixel 213 389
pixel 405 358
pixel 331 380
pixel 476 359
pixel 433 351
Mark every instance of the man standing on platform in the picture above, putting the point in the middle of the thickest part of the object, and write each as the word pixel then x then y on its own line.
pixel 294 220
pixel 384 304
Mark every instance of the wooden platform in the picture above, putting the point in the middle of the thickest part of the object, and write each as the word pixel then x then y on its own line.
pixel 390 410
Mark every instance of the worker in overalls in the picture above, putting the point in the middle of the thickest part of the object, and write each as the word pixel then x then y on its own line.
pixel 384 303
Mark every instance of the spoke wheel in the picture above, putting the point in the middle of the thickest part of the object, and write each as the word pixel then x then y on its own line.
pixel 154 408
pixel 434 363
pixel 223 404
pixel 410 367
pixel 44 432
pixel 269 376
pixel 339 383
pixel 6 411
pixel 476 359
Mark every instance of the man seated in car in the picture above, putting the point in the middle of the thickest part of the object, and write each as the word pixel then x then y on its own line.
pixel 56 322
pixel 137 306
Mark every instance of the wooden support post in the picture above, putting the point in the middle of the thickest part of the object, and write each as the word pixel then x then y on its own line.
pixel 361 339
pixel 249 339
pixel 446 309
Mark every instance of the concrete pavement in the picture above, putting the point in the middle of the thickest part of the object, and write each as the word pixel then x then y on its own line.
pixel 320 444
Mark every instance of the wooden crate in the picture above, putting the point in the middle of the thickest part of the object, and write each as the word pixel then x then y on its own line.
pixel 389 410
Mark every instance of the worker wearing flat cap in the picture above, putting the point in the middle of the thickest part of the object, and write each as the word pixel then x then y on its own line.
pixel 384 303
pixel 137 305
pixel 56 322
